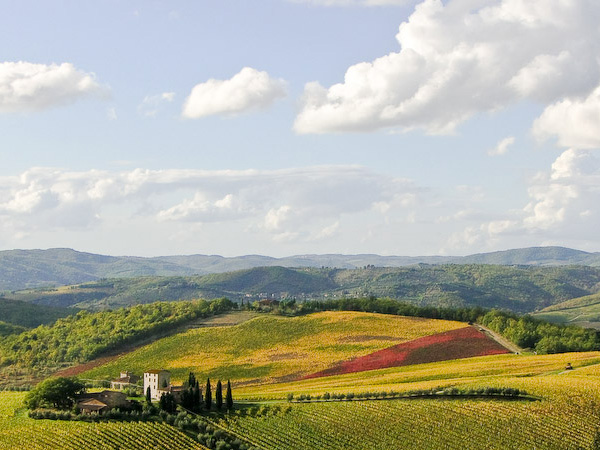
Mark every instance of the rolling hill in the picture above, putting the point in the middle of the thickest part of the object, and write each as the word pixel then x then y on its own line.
pixel 582 311
pixel 518 288
pixel 446 404
pixel 266 358
pixel 21 269
pixel 272 348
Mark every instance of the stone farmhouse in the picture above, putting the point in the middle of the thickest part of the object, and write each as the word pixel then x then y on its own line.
pixel 101 402
pixel 126 379
pixel 159 382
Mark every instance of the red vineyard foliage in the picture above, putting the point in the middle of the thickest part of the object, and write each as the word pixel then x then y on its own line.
pixel 456 344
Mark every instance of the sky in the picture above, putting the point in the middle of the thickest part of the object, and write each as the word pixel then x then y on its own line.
pixel 285 127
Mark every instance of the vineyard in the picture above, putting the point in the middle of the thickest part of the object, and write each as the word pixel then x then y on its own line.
pixel 18 432
pixel 420 424
pixel 272 349
pixel 566 418
pixel 426 376
pixel 269 357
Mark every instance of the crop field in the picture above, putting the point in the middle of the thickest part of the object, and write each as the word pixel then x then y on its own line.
pixel 18 432
pixel 426 376
pixel 563 412
pixel 460 343
pixel 274 349
pixel 566 416
pixel 422 424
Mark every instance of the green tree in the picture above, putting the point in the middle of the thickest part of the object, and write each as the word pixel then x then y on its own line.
pixel 197 395
pixel 229 396
pixel 148 396
pixel 208 395
pixel 167 403
pixel 58 393
pixel 219 395
pixel 191 380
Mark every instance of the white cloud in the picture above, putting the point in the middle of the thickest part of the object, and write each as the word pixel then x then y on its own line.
pixel 26 87
pixel 502 147
pixel 247 90
pixel 300 202
pixel 328 231
pixel 575 122
pixel 276 217
pixel 353 2
pixel 558 209
pixel 151 103
pixel 459 58
pixel 201 209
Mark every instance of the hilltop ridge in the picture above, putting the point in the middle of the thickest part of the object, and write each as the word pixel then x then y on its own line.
pixel 22 269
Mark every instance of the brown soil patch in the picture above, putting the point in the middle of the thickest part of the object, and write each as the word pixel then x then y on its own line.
pixel 283 356
pixel 367 338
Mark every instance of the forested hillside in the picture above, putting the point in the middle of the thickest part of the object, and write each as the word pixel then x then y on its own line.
pixel 83 336
pixel 521 289
pixel 21 269
pixel 27 315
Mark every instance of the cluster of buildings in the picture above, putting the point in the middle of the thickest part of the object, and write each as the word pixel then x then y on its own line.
pixel 158 381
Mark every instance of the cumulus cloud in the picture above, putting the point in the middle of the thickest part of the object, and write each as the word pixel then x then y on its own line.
pixel 502 147
pixel 26 86
pixel 151 103
pixel 461 57
pixel 285 203
pixel 560 208
pixel 248 90
pixel 574 121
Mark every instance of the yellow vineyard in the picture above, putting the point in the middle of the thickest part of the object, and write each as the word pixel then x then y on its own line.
pixel 274 349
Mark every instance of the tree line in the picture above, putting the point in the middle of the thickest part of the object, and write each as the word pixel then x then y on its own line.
pixel 191 397
pixel 86 335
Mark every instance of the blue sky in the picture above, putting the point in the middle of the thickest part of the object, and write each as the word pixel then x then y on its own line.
pixel 287 127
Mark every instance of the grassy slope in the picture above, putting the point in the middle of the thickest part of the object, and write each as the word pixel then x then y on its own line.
pixel 272 348
pixel 583 311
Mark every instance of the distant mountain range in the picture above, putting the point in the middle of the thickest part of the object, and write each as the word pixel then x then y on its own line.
pixel 21 269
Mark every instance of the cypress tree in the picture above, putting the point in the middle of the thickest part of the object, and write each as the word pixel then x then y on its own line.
pixel 229 396
pixel 148 396
pixel 219 395
pixel 191 380
pixel 208 395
